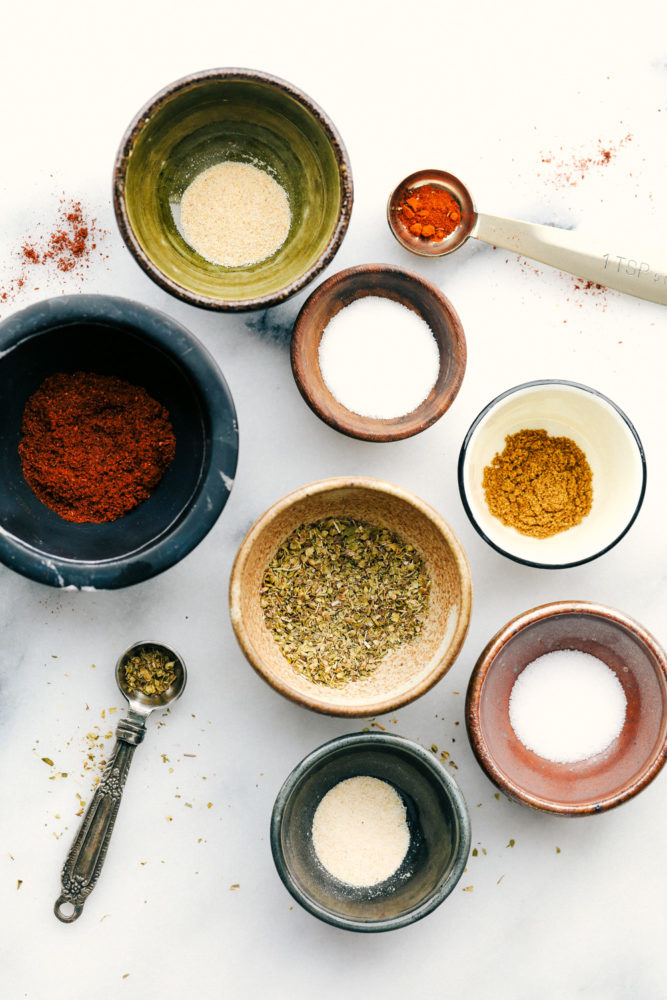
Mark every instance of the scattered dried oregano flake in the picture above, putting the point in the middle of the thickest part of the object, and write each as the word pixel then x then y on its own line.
pixel 339 594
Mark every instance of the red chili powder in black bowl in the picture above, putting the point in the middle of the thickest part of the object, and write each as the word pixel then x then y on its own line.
pixel 93 447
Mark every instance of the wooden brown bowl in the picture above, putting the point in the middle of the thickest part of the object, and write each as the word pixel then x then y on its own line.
pixel 597 783
pixel 410 290
pixel 402 675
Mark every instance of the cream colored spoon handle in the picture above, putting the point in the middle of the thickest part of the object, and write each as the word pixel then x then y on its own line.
pixel 642 276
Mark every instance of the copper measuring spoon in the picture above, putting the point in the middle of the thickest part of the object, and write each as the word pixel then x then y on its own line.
pixel 86 857
pixel 562 248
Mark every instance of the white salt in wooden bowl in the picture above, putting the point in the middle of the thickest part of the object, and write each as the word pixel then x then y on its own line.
pixel 407 289
pixel 402 675
pixel 609 442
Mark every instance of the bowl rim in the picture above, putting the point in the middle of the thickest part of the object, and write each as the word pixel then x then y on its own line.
pixel 485 663
pixel 212 491
pixel 313 388
pixel 386 704
pixel 399 745
pixel 464 453
pixel 124 153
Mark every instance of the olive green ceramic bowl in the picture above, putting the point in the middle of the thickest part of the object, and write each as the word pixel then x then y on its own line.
pixel 248 117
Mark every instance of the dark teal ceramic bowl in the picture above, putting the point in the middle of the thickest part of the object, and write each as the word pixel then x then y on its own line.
pixel 437 818
pixel 248 117
pixel 113 336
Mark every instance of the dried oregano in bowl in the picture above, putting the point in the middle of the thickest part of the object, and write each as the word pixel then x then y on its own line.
pixel 330 611
pixel 339 594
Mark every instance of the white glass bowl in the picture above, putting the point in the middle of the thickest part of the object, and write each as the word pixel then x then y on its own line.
pixel 607 438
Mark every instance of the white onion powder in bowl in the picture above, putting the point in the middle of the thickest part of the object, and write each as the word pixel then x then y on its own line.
pixel 360 831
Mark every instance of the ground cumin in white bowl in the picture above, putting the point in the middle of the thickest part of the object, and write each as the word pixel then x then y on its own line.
pixel 584 496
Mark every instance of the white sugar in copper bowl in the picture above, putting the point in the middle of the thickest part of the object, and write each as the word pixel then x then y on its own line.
pixel 607 438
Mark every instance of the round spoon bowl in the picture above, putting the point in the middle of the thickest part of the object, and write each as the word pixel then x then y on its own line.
pixel 453 186
pixel 144 704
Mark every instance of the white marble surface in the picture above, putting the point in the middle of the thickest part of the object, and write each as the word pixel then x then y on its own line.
pixel 488 91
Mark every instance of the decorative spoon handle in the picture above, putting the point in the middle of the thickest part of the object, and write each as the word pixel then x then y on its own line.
pixel 86 857
pixel 642 276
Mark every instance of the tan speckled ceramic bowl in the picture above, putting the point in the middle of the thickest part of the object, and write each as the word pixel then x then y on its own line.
pixel 406 673
pixel 597 783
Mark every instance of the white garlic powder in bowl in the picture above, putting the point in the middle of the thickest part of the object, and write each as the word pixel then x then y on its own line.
pixel 370 832
pixel 360 831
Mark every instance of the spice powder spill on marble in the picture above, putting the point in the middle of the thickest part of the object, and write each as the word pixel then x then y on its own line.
pixel 360 831
pixel 568 171
pixel 149 671
pixel 75 240
pixel 539 485
pixel 339 594
pixel 235 214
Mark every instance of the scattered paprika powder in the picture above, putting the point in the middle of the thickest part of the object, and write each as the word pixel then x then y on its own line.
pixel 73 242
pixel 93 447
pixel 430 212
pixel 540 485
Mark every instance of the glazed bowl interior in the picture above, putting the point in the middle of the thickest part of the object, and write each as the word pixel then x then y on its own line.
pixel 403 674
pixel 598 782
pixel 245 117
pixel 115 337
pixel 408 289
pixel 437 819
pixel 609 442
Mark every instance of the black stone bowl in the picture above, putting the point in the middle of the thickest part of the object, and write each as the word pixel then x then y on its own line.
pixel 113 336
pixel 437 818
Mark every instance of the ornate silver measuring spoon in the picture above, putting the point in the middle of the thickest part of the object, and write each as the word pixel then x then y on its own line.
pixel 86 857
pixel 645 277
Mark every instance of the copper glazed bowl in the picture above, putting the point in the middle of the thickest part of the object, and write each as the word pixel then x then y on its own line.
pixel 597 783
